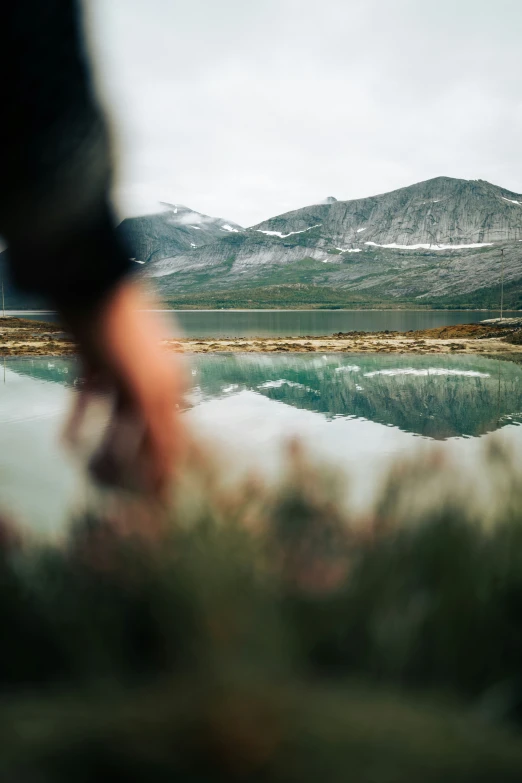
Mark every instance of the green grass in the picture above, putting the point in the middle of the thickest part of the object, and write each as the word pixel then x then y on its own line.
pixel 284 295
pixel 488 298
pixel 293 295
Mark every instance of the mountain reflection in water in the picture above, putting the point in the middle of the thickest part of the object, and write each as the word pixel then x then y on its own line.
pixel 437 397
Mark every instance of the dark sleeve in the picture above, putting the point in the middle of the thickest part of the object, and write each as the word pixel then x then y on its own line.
pixel 55 160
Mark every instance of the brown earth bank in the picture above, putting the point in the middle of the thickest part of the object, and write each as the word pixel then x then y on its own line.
pixel 22 337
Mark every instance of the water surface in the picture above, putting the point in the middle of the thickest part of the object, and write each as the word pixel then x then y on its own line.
pixel 300 323
pixel 359 412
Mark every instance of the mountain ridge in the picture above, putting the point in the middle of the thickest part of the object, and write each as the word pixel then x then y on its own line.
pixel 377 216
pixel 421 243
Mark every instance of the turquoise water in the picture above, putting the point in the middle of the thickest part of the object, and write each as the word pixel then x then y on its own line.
pixel 434 397
pixel 286 323
pixel 360 412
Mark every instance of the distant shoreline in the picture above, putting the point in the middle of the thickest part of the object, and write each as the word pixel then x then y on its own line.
pixel 24 337
pixel 384 309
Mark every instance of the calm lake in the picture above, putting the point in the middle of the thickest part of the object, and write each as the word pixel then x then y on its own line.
pixel 287 323
pixel 358 412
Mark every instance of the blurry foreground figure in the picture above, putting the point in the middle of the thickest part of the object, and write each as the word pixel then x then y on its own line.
pixel 55 215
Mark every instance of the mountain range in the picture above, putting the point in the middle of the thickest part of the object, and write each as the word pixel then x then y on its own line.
pixel 437 242
pixel 444 242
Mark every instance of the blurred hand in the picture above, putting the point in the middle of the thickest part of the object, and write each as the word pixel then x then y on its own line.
pixel 119 345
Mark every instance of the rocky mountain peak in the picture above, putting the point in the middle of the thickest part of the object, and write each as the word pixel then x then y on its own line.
pixel 175 228
pixel 439 211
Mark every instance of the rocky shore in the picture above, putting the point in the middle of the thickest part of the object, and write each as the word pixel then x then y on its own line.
pixel 22 337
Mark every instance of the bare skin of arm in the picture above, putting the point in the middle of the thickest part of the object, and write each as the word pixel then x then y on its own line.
pixel 120 349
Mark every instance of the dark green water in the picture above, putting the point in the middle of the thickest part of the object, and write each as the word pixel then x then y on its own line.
pixel 286 323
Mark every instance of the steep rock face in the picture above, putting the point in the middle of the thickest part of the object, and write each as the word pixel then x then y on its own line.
pixel 173 230
pixel 246 252
pixel 439 211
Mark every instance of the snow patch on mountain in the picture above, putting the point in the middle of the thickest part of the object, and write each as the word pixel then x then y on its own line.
pixel 395 246
pixel 284 236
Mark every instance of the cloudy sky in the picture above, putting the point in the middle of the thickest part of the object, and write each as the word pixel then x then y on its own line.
pixel 246 109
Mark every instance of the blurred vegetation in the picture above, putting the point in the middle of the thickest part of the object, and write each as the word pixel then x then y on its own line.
pixel 267 633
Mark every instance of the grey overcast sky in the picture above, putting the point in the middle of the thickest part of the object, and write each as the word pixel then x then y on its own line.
pixel 248 108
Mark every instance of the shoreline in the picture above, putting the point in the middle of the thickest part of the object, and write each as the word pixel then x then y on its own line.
pixel 22 337
pixel 374 309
